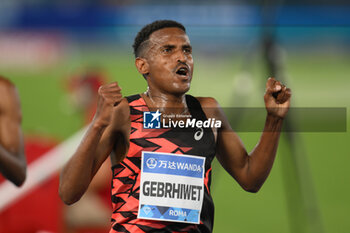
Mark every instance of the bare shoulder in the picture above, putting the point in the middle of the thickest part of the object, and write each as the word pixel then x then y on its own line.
pixel 5 81
pixel 6 86
pixel 210 106
pixel 208 102
pixel 9 101
pixel 212 109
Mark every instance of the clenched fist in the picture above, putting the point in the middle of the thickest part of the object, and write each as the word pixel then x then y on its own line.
pixel 109 97
pixel 277 98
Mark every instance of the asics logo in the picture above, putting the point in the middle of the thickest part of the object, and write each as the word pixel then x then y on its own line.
pixel 198 134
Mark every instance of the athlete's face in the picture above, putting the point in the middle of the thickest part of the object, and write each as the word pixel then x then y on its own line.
pixel 170 62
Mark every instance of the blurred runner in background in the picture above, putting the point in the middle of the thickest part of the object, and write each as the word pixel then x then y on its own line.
pixel 12 158
pixel 24 216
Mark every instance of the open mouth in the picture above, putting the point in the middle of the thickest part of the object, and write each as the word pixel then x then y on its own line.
pixel 183 71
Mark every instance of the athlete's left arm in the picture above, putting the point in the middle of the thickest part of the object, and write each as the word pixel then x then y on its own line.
pixel 251 170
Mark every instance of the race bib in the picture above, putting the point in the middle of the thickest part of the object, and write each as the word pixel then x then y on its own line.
pixel 172 187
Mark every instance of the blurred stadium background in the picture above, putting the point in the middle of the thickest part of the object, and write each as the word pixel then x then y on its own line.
pixel 44 44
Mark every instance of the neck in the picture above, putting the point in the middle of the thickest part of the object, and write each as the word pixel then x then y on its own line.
pixel 165 102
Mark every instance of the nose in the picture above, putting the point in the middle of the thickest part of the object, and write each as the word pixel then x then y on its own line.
pixel 181 57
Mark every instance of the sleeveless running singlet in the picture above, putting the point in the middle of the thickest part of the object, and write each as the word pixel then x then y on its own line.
pixel 126 175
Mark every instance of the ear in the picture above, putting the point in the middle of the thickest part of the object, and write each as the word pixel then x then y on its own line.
pixel 142 65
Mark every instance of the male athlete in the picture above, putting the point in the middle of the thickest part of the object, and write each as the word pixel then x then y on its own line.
pixel 161 176
pixel 12 159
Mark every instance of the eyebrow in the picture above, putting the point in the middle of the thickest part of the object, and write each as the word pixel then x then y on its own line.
pixel 186 46
pixel 168 46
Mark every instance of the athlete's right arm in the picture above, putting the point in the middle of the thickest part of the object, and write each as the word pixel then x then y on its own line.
pixel 110 121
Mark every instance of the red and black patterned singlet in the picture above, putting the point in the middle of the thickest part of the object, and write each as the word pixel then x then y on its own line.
pixel 126 175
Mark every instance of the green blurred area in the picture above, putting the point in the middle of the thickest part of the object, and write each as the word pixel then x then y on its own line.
pixel 317 80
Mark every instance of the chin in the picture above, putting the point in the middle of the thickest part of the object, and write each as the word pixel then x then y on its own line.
pixel 182 91
pixel 182 88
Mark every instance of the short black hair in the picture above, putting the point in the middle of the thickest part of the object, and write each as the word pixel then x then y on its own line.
pixel 147 30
